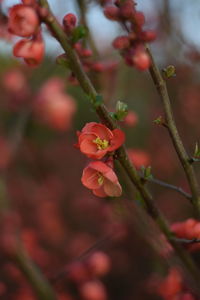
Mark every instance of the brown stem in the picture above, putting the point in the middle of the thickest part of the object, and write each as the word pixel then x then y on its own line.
pixel 173 132
pixel 40 285
pixel 122 156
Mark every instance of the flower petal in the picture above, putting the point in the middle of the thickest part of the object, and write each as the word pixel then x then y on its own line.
pixel 112 189
pixel 88 127
pixel 90 149
pixel 117 140
pixel 90 178
pixel 87 146
pixel 103 132
pixel 99 192
pixel 99 166
pixel 105 170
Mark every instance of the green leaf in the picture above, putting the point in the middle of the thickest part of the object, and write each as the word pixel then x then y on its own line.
pixel 113 115
pixel 169 71
pixel 158 121
pixel 196 151
pixel 146 172
pixel 78 33
pixel 121 110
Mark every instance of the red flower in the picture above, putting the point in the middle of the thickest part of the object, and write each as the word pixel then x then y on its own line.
pixel 32 51
pixel 101 179
pixel 96 140
pixel 23 20
pixel 139 157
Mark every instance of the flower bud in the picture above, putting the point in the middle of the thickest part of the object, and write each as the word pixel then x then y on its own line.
pixel 112 12
pixel 141 60
pixel 139 18
pixel 23 20
pixel 69 22
pixel 148 36
pixel 121 42
pixel 127 9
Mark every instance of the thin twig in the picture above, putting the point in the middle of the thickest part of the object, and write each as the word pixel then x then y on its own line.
pixel 170 186
pixel 98 245
pixel 186 241
pixel 172 129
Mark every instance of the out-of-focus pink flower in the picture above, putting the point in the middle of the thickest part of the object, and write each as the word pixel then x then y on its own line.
pixel 52 86
pixel 96 140
pixel 32 51
pixel 189 229
pixel 54 107
pixel 131 119
pixel 139 157
pixel 101 179
pixel 141 59
pixel 14 81
pixel 59 111
pixel 99 263
pixel 23 20
pixel 171 285
pixel 93 290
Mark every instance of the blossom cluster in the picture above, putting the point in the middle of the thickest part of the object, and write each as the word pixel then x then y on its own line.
pixel 51 104
pixel 96 141
pixel 24 21
pixel 131 45
pixel 76 37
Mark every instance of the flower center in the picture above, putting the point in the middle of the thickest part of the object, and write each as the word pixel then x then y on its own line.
pixel 101 144
pixel 100 179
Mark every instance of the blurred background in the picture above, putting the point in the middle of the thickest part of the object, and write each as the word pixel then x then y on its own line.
pixel 62 225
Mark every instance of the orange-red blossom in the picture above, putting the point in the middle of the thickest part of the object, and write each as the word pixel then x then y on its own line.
pixel 101 179
pixel 96 140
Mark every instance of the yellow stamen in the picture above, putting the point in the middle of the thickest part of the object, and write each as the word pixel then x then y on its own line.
pixel 101 144
pixel 100 179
